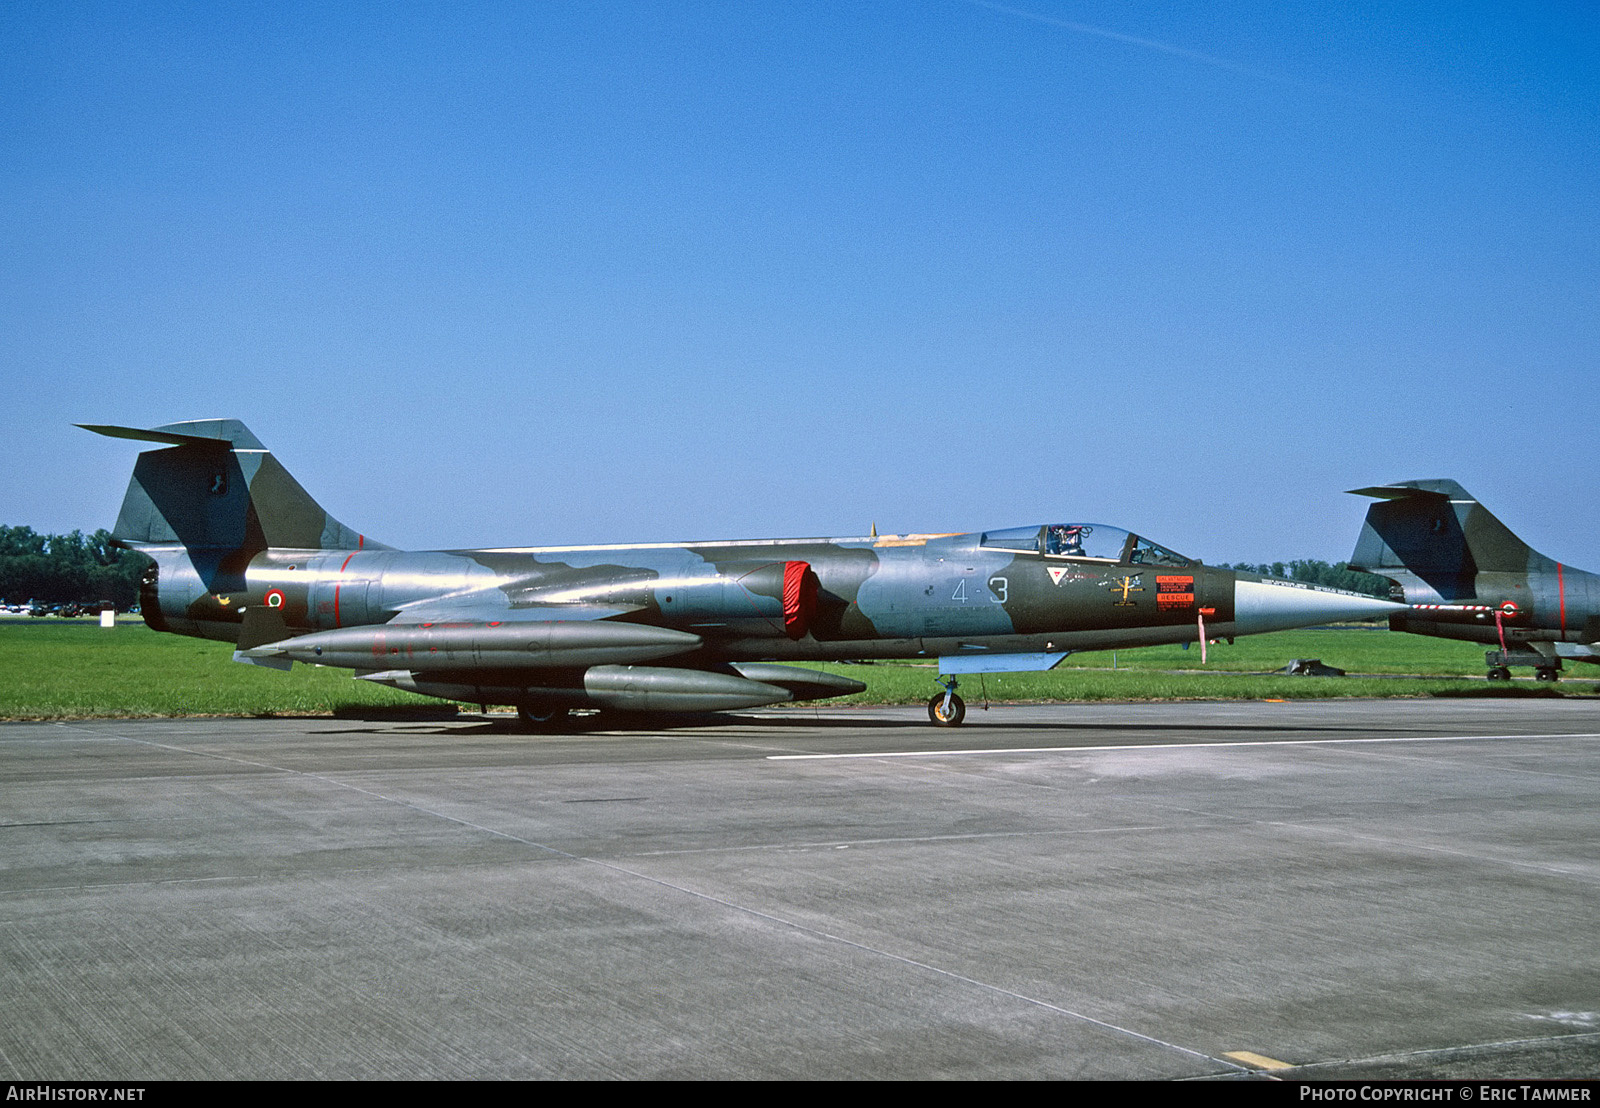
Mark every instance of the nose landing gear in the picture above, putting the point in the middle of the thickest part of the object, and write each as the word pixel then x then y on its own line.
pixel 946 709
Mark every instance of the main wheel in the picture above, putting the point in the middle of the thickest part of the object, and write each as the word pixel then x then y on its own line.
pixel 539 717
pixel 947 717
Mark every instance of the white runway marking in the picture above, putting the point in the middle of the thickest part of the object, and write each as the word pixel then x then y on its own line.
pixel 1168 746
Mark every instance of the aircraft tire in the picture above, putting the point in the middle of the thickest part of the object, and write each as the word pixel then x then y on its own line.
pixel 532 717
pixel 1499 673
pixel 942 718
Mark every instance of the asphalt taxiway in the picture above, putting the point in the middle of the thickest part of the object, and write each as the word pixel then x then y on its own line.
pixel 1306 889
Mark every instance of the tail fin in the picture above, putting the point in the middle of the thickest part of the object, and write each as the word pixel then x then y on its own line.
pixel 1438 532
pixel 222 495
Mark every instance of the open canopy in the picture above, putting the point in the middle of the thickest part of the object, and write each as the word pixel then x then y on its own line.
pixel 1089 541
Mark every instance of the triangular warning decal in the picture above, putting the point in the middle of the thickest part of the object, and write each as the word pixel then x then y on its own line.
pixel 1056 573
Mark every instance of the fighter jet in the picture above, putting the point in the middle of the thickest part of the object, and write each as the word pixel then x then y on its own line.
pixel 242 554
pixel 1464 575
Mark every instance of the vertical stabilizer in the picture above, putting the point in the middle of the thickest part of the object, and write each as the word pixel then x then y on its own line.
pixel 1437 531
pixel 220 494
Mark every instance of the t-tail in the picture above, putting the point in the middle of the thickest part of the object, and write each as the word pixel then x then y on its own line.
pixel 1466 576
pixel 203 507
pixel 1436 535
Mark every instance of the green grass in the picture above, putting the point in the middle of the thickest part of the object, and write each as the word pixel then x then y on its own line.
pixel 1354 649
pixel 1378 664
pixel 73 669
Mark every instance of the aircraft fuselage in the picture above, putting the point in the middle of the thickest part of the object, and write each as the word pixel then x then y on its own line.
pixel 243 554
pixel 885 597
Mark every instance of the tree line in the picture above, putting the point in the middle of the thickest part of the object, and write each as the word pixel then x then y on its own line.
pixel 1336 575
pixel 67 569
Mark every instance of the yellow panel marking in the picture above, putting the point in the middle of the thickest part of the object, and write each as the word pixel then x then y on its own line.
pixel 911 540
pixel 1260 1061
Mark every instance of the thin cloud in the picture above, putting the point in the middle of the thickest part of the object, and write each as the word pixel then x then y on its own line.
pixel 1135 40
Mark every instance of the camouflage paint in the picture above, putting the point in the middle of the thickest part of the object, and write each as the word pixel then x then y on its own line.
pixel 1465 575
pixel 245 555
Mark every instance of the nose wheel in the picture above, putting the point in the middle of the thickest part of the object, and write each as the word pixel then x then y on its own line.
pixel 946 709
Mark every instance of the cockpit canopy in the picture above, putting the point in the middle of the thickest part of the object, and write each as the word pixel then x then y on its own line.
pixel 1091 541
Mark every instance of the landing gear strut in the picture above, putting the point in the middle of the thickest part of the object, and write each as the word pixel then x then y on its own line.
pixel 946 709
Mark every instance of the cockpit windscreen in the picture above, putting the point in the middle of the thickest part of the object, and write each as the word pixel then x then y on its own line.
pixel 1094 541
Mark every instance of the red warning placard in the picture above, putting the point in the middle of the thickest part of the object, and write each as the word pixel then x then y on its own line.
pixel 1174 592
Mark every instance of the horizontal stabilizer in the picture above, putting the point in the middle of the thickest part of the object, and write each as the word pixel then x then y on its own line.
pixel 171 438
pixel 1438 532
pixel 221 495
pixel 1397 492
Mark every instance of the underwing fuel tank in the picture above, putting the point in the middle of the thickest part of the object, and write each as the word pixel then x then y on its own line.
pixel 476 646
pixel 662 689
pixel 630 689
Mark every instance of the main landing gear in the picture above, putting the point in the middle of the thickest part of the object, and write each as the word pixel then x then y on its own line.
pixel 946 709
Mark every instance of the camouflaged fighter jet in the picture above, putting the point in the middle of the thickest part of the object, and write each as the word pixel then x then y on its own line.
pixel 244 555
pixel 1464 575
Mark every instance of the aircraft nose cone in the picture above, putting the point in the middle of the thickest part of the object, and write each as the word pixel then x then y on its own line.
pixel 1279 605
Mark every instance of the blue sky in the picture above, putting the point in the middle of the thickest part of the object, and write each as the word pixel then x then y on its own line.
pixel 557 272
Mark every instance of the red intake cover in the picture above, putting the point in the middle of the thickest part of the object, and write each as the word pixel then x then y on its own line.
pixel 799 598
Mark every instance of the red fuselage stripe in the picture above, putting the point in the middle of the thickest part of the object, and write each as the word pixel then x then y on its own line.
pixel 1561 590
pixel 337 586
